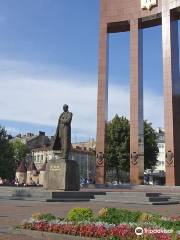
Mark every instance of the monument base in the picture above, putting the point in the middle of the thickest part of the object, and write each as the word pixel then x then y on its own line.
pixel 62 175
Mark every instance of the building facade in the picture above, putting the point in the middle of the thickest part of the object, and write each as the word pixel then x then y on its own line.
pixel 160 167
pixel 83 156
pixel 33 140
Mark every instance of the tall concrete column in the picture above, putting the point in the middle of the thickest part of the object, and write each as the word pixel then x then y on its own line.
pixel 102 104
pixel 136 105
pixel 171 96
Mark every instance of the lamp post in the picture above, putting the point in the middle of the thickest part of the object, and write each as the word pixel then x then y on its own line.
pixel 87 169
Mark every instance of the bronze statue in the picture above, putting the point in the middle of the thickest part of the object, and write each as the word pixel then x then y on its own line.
pixel 62 139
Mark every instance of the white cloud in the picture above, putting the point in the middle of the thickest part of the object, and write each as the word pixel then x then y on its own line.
pixel 154 108
pixel 41 102
pixel 39 99
pixel 119 102
pixel 12 130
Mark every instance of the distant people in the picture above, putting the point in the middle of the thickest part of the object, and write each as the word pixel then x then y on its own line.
pixel 1 181
pixel 147 179
pixel 16 182
pixel 32 182
pixel 37 182
pixel 90 181
pixel 82 181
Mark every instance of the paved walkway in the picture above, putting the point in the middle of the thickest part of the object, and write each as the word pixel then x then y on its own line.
pixel 13 212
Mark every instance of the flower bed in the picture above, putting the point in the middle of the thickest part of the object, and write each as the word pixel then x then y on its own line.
pixel 110 223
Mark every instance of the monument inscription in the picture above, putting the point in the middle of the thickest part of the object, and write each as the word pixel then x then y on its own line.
pixel 54 168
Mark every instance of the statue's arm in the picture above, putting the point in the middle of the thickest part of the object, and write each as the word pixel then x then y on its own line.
pixel 60 120
pixel 68 119
pixel 57 128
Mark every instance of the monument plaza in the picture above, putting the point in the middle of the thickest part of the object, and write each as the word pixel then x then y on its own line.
pixel 14 212
pixel 62 189
pixel 134 16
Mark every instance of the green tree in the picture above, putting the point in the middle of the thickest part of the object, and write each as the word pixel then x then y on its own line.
pixel 20 151
pixel 150 146
pixel 118 145
pixel 7 164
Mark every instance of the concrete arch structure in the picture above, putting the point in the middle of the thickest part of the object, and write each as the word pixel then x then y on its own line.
pixel 131 15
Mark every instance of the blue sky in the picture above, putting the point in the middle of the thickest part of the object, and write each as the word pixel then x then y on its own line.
pixel 49 56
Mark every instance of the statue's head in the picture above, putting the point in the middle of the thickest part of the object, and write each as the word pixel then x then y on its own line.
pixel 65 107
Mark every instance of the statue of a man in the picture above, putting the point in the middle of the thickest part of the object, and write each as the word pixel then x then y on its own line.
pixel 62 139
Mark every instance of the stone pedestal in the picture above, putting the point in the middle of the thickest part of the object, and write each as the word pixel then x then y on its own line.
pixel 62 175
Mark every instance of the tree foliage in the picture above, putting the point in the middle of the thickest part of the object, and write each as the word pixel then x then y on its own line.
pixel 7 164
pixel 118 145
pixel 150 146
pixel 20 151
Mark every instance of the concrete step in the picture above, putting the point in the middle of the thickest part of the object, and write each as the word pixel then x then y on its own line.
pixel 134 194
pixel 145 199
pixel 155 198
pixel 170 202
pixel 27 199
pixel 144 187
pixel 148 203
pixel 172 196
pixel 131 199
pixel 159 199
pixel 74 195
pixel 25 193
pixel 99 197
pixel 5 197
pixel 68 200
pixel 31 193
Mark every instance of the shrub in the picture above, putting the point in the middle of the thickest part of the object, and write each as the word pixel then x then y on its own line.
pixel 46 216
pixel 37 216
pixel 171 225
pixel 145 217
pixel 80 214
pixel 116 216
pixel 103 212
